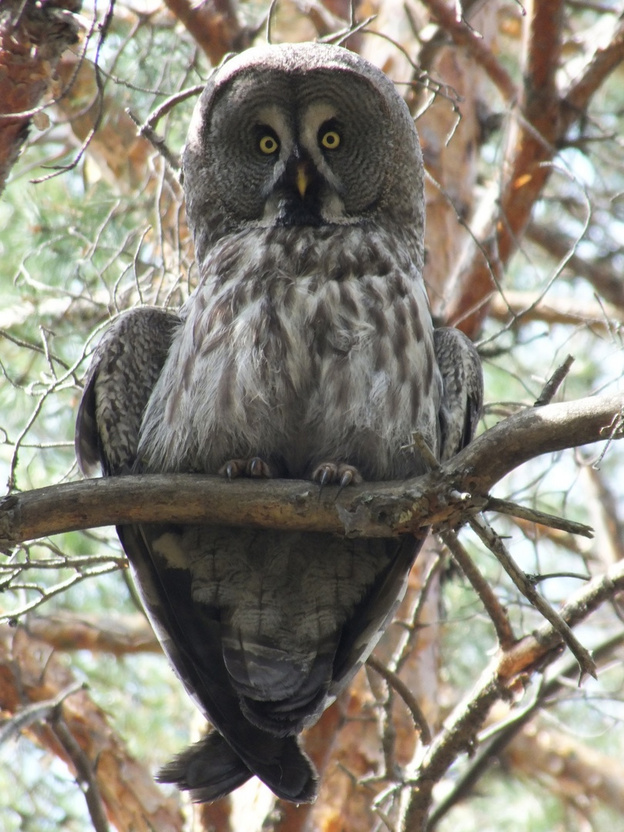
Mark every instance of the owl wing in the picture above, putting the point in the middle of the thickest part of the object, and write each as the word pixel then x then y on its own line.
pixel 462 398
pixel 122 374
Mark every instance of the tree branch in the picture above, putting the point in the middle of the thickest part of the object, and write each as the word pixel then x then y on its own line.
pixel 461 729
pixel 502 733
pixel 463 35
pixel 32 38
pixel 32 673
pixel 368 510
pixel 215 26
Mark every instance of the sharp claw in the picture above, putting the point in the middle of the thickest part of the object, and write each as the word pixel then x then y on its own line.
pixel 230 470
pixel 255 468
pixel 346 479
pixel 323 480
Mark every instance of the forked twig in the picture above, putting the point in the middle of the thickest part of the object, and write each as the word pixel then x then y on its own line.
pixel 535 516
pixel 406 695
pixel 494 543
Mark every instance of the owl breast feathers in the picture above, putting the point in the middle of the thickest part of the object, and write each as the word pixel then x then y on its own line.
pixel 306 351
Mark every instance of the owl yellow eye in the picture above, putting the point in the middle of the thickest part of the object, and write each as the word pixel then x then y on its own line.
pixel 330 139
pixel 268 145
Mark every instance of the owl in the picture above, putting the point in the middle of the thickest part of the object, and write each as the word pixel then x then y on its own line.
pixel 307 350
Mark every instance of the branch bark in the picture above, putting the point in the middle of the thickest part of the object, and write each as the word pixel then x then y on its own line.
pixel 368 510
pixel 215 26
pixel 33 36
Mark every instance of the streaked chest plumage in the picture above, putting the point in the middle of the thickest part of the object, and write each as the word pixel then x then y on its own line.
pixel 299 351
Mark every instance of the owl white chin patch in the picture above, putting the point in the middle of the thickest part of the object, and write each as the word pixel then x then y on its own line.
pixel 333 211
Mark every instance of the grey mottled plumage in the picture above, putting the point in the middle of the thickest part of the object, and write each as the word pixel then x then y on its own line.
pixel 307 350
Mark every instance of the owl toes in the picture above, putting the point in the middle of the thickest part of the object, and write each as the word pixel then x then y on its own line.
pixel 328 473
pixel 233 468
pixel 255 467
pixel 258 468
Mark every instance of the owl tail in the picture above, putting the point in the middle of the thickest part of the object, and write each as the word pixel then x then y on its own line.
pixel 211 769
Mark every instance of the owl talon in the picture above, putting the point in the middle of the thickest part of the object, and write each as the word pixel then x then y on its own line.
pixel 326 477
pixel 345 479
pixel 255 467
pixel 328 473
pixel 258 468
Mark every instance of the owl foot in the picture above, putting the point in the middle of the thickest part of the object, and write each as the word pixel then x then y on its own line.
pixel 331 473
pixel 255 467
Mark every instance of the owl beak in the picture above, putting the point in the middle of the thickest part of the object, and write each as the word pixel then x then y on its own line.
pixel 302 179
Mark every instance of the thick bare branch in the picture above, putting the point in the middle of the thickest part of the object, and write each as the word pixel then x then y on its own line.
pixel 370 510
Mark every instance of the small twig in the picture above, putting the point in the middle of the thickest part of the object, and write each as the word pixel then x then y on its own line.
pixel 84 771
pixel 493 606
pixel 537 579
pixel 554 382
pixel 163 109
pixel 411 626
pixel 156 141
pixel 406 695
pixel 420 444
pixel 535 516
pixel 269 19
pixel 527 588
pixel 384 818
pixel 36 712
pixel 455 25
pixel 343 35
pixel 494 740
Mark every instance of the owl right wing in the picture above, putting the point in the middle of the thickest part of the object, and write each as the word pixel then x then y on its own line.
pixel 124 369
pixel 462 397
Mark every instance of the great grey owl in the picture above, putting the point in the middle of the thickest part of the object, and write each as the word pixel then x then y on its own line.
pixel 306 351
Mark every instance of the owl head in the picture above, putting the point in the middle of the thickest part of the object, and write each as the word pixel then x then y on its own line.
pixel 301 135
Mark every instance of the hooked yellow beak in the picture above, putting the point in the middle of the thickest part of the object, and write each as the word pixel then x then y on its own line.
pixel 302 179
